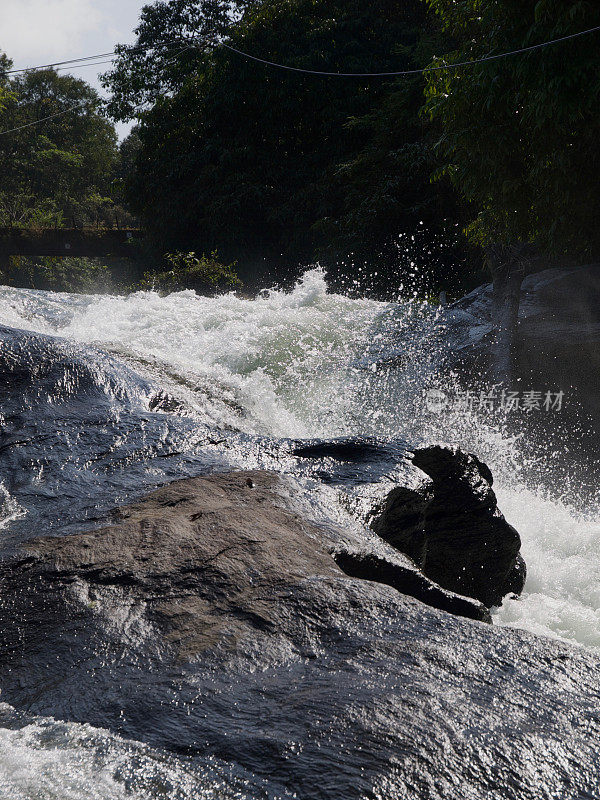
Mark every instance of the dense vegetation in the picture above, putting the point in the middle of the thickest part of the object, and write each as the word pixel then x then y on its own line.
pixel 67 171
pixel 278 167
pixel 521 135
pixel 205 274
pixel 62 171
pixel 264 163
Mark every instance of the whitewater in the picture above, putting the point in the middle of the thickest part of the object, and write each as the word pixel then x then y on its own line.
pixel 305 363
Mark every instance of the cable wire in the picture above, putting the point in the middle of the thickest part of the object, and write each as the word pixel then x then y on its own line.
pixel 410 71
pixel 283 66
pixel 81 66
pixel 172 42
pixel 44 119
pixel 113 55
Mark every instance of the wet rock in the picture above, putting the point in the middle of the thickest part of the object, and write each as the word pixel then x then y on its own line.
pixel 373 567
pixel 556 350
pixel 557 335
pixel 212 620
pixel 206 558
pixel 354 448
pixel 350 461
pixel 452 529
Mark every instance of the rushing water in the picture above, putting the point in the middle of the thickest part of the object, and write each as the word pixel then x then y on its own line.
pixel 301 364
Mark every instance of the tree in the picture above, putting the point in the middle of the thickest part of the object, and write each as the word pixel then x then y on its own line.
pixel 389 200
pixel 59 165
pixel 5 65
pixel 521 135
pixel 62 168
pixel 241 157
pixel 165 52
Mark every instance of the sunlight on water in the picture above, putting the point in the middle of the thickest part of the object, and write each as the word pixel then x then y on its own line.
pixel 9 508
pixel 283 357
pixel 51 760
pixel 308 363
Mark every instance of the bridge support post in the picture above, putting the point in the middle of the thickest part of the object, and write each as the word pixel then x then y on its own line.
pixel 4 265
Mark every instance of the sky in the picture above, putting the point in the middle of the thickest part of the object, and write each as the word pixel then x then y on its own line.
pixel 36 32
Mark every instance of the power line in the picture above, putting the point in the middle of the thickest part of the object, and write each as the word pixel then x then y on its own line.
pixel 56 64
pixel 410 71
pixel 81 66
pixel 113 55
pixel 86 61
pixel 44 119
pixel 89 59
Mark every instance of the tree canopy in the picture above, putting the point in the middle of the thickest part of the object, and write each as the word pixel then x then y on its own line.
pixel 232 155
pixel 165 53
pixel 248 158
pixel 60 169
pixel 520 136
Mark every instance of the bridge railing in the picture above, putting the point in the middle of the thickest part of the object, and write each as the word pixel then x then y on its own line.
pixel 74 242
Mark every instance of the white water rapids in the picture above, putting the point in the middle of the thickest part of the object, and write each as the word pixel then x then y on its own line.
pixel 303 364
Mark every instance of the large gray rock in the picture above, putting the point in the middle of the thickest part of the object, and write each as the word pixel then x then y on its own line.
pixel 452 528
pixel 558 334
pixel 557 350
pixel 212 620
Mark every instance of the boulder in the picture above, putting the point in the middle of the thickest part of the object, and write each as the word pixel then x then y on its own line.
pixel 212 620
pixel 557 350
pixel 452 529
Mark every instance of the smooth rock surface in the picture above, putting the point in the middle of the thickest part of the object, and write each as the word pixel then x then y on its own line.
pixel 557 351
pixel 212 620
pixel 558 334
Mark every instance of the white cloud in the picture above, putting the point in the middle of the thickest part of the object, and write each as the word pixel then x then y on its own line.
pixel 41 31
pixel 32 31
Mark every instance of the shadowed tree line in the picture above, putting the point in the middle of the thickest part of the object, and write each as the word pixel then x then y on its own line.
pixel 378 178
pixel 292 167
pixel 275 168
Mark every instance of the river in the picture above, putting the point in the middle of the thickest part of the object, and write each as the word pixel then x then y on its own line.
pixel 171 379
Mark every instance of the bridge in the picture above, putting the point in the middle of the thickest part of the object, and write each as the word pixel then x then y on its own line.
pixel 71 242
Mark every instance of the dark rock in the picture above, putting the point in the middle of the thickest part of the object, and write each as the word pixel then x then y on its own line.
pixel 354 448
pixel 204 555
pixel 557 349
pixel 211 620
pixel 372 567
pixel 400 520
pixel 351 460
pixel 452 528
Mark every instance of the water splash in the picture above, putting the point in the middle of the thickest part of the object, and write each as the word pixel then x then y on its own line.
pixel 44 759
pixel 309 363
pixel 10 510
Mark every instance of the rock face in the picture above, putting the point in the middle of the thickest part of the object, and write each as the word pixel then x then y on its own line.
pixel 557 338
pixel 452 529
pixel 230 528
pixel 559 324
pixel 212 620
pixel 557 350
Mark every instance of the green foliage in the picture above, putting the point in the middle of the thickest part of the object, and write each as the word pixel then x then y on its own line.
pixel 57 274
pixel 60 172
pixel 251 160
pixel 166 51
pixel 520 136
pixel 205 274
pixel 4 96
pixel 386 185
